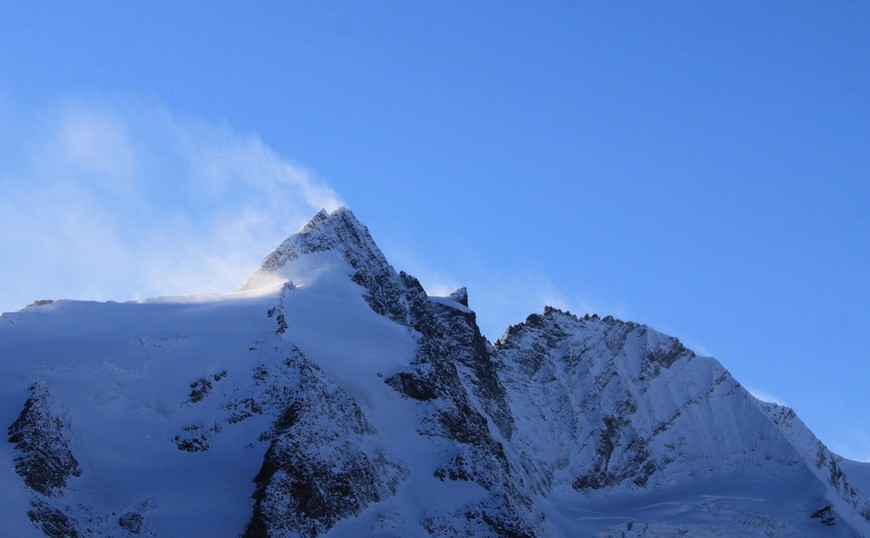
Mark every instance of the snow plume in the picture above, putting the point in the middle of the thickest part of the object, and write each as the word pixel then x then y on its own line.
pixel 122 199
pixel 765 396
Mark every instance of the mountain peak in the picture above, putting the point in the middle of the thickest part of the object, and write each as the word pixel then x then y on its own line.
pixel 324 218
pixel 387 292
pixel 338 231
pixel 413 425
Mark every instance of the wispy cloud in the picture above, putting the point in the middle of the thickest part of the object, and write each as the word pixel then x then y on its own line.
pixel 122 199
pixel 765 396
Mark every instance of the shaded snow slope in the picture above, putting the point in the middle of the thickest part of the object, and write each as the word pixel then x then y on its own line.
pixel 125 378
pixel 330 396
pixel 617 417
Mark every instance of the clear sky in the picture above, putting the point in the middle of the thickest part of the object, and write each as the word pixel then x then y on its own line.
pixel 702 167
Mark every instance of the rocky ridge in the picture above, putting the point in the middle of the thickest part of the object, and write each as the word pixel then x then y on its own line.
pixel 351 402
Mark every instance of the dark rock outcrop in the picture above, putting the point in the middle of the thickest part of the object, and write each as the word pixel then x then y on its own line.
pixel 52 522
pixel 132 522
pixel 43 460
pixel 324 463
pixel 555 416
pixel 341 232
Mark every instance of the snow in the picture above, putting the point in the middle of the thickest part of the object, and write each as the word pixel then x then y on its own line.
pixel 563 399
pixel 122 376
pixel 716 507
pixel 120 373
pixel 452 303
pixel 859 474
pixel 332 325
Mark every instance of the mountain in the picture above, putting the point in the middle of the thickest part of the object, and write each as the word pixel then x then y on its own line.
pixel 330 396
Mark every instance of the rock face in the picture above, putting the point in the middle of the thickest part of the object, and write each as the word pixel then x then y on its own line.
pixel 387 292
pixel 627 404
pixel 43 457
pixel 460 398
pixel 330 396
pixel 44 461
pixel 324 462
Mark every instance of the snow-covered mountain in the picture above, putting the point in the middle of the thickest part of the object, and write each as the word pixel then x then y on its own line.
pixel 330 396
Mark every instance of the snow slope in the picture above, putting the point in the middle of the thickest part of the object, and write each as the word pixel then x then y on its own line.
pixel 629 426
pixel 330 396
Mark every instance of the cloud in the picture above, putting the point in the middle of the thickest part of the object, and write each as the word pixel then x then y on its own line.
pixel 122 199
pixel 765 396
pixel 94 141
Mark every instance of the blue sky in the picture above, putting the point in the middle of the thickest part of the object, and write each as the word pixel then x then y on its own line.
pixel 702 167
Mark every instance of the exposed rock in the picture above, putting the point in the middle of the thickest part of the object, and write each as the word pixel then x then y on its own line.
pixel 456 379
pixel 607 427
pixel 52 522
pixel 341 232
pixel 460 296
pixel 43 457
pixel 824 464
pixel 635 465
pixel 131 522
pixel 825 515
pixel 612 403
pixel 193 439
pixel 412 386
pixel 325 462
pixel 199 389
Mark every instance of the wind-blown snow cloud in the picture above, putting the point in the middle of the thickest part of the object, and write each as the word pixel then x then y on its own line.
pixel 123 199
pixel 765 396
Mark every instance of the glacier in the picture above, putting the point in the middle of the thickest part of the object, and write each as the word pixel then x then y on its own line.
pixel 329 395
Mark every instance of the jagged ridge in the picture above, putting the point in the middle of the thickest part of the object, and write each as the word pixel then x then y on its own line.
pixel 355 404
